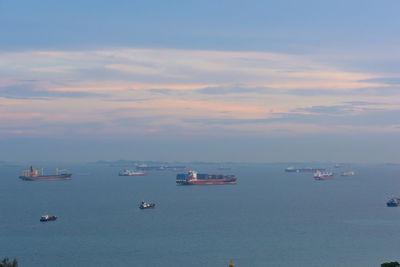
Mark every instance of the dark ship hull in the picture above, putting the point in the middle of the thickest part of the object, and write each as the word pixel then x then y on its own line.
pixel 149 206
pixel 48 218
pixel 47 177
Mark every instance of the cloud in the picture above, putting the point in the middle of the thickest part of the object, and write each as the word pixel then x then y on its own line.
pixel 385 80
pixel 122 91
pixel 363 103
pixel 30 92
pixel 342 109
pixel 190 69
pixel 235 90
pixel 333 117
pixel 162 91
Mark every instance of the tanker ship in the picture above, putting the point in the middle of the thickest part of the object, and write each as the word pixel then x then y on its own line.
pixel 131 173
pixel 194 178
pixel 33 175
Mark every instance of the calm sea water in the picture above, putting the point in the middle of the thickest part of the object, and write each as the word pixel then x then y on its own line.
pixel 270 218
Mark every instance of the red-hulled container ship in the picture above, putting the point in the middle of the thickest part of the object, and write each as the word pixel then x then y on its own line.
pixel 194 178
pixel 33 175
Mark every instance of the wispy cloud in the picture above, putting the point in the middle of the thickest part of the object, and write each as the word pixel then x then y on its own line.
pixel 24 91
pixel 386 80
pixel 236 90
pixel 148 67
pixel 123 91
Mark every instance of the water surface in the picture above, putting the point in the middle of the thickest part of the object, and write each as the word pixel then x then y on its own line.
pixel 269 218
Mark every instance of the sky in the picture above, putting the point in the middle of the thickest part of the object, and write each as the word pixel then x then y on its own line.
pixel 253 81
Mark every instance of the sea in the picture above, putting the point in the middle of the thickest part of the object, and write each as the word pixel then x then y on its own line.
pixel 269 218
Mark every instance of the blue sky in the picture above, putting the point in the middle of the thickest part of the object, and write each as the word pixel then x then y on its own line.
pixel 231 80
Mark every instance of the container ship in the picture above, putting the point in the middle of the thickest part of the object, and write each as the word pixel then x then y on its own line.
pixel 33 175
pixel 293 169
pixel 194 178
pixel 323 175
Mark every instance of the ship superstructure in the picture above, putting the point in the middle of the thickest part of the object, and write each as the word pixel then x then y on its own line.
pixel 194 178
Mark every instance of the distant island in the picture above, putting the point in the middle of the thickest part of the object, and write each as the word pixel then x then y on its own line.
pixel 390 264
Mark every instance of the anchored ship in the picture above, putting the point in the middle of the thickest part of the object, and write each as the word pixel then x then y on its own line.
pixel 33 175
pixel 144 167
pixel 293 169
pixel 194 178
pixel 323 175
pixel 131 173
pixel 347 173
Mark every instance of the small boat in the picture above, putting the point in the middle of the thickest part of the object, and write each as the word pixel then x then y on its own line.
pixel 347 173
pixel 145 205
pixel 323 175
pixel 394 202
pixel 47 218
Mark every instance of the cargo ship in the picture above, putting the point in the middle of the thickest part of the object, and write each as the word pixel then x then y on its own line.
pixel 293 169
pixel 347 173
pixel 131 173
pixel 33 175
pixel 323 175
pixel 144 167
pixel 194 178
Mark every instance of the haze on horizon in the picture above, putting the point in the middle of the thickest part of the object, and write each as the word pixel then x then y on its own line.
pixel 200 81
